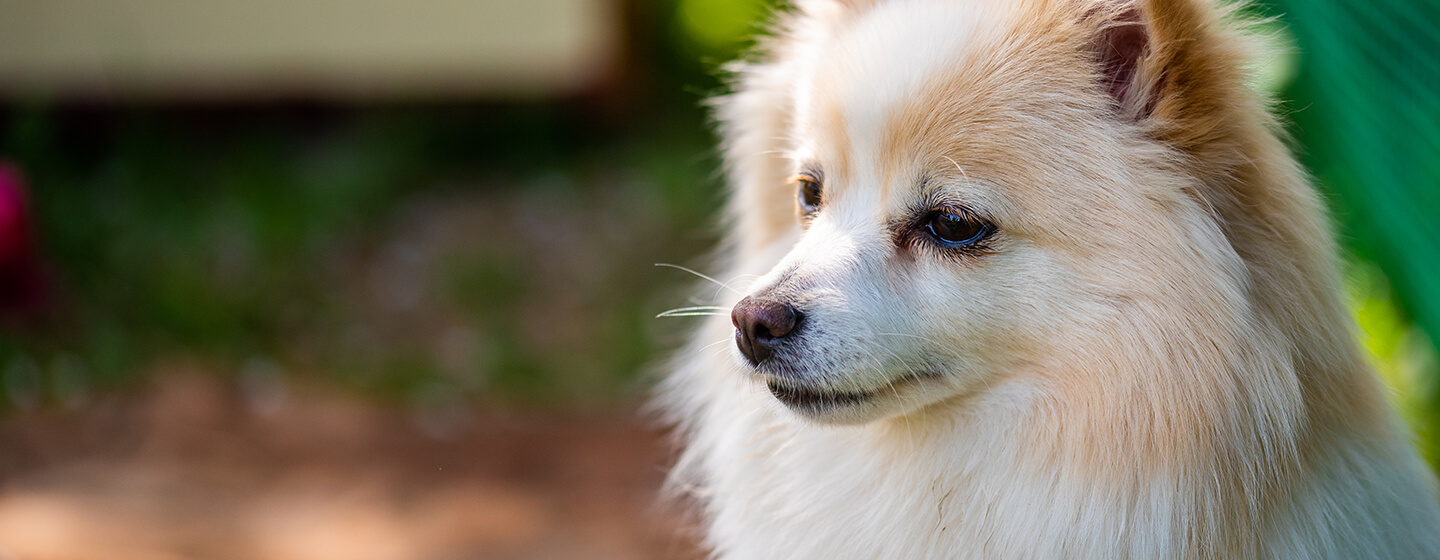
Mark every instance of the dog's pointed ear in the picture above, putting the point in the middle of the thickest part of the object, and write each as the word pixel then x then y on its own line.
pixel 1121 44
pixel 1171 61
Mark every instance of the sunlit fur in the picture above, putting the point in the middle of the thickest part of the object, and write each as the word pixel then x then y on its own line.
pixel 1149 360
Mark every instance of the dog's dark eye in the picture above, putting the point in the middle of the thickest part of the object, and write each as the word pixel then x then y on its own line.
pixel 809 195
pixel 956 230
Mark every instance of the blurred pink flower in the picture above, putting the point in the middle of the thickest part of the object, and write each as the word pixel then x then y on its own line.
pixel 23 290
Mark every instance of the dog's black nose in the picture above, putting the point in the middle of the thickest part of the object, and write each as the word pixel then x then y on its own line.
pixel 759 326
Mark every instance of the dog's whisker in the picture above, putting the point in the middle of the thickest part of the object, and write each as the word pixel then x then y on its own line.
pixel 692 271
pixel 693 308
pixel 731 281
pixel 906 364
pixel 692 314
pixel 903 363
pixel 712 345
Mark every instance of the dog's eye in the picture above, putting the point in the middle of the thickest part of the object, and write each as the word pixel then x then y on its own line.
pixel 809 194
pixel 956 230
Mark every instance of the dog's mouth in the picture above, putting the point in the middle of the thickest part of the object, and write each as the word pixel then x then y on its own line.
pixel 817 400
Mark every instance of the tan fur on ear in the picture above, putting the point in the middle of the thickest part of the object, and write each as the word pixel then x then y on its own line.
pixel 1176 61
pixel 1197 68
pixel 1186 77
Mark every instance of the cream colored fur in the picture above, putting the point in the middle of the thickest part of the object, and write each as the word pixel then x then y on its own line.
pixel 1150 360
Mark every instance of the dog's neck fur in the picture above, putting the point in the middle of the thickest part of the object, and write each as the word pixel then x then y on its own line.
pixel 1269 421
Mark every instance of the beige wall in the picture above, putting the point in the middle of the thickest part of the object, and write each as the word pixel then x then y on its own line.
pixel 344 49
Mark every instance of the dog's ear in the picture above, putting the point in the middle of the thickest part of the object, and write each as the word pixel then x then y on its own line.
pixel 1174 62
pixel 1121 44
pixel 1155 52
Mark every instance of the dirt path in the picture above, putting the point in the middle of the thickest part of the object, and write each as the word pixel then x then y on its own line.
pixel 192 469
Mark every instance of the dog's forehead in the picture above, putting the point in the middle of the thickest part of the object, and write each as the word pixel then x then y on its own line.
pixel 868 107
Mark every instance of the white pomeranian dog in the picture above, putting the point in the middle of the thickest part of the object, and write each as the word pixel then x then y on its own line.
pixel 1029 279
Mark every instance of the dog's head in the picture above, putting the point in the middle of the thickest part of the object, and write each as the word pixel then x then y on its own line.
pixel 973 188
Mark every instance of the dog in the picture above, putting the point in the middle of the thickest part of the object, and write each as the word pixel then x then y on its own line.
pixel 1029 279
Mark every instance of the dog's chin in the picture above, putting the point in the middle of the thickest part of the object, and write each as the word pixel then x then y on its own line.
pixel 827 405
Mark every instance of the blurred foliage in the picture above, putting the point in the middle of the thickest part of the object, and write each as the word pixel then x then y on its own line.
pixel 1368 99
pixel 432 253
pixel 1401 352
pixel 720 28
pixel 1365 104
pixel 299 237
